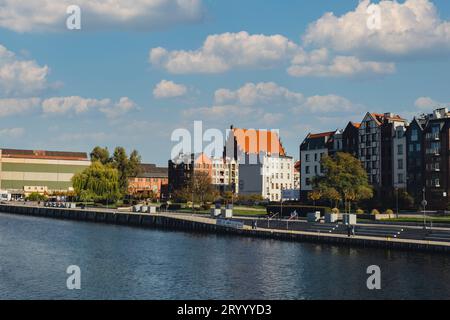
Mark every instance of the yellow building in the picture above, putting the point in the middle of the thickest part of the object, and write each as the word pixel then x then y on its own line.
pixel 28 171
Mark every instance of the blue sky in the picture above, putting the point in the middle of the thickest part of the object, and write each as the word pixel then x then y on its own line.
pixel 272 64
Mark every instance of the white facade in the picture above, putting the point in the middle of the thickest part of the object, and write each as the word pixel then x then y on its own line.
pixel 311 167
pixel 267 178
pixel 399 158
pixel 278 175
pixel 225 174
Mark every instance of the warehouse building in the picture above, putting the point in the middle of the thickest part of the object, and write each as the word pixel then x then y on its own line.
pixel 26 171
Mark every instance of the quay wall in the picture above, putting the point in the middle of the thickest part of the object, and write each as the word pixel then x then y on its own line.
pixel 161 221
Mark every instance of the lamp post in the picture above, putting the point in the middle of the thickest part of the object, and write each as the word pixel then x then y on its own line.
pixel 396 194
pixel 424 205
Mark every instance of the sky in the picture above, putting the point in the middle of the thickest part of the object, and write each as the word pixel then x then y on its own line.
pixel 138 70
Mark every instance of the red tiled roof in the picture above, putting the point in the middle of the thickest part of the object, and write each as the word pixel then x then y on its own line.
pixel 41 154
pixel 258 141
pixel 321 135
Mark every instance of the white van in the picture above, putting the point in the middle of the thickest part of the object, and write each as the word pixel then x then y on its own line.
pixel 5 196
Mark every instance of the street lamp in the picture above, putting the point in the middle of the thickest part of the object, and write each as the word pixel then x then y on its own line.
pixel 396 193
pixel 424 205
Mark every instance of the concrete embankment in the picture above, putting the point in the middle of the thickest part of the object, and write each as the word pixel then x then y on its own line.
pixel 204 224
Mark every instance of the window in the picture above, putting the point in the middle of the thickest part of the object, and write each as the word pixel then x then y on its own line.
pixel 400 164
pixel 414 135
pixel 400 149
pixel 401 178
pixel 316 157
pixel 307 158
pixel 308 169
pixel 308 181
pixel 418 147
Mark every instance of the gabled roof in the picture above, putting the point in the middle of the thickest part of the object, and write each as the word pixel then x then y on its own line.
pixel 321 135
pixel 152 171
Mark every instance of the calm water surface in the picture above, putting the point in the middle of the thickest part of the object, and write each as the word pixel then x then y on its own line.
pixel 127 263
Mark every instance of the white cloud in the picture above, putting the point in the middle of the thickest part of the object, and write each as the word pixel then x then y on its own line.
pixel 12 133
pixel 407 29
pixel 9 107
pixel 79 105
pixel 223 52
pixel 49 15
pixel 267 103
pixel 319 63
pixel 327 103
pixel 270 94
pixel 122 107
pixel 20 77
pixel 428 104
pixel 169 89
pixel 261 93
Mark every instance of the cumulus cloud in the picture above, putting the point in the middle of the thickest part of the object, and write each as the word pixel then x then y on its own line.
pixel 270 94
pixel 169 89
pixel 267 103
pixel 20 77
pixel 428 104
pixel 319 63
pixel 260 93
pixel 406 29
pixel 327 103
pixel 48 15
pixel 223 52
pixel 79 105
pixel 9 107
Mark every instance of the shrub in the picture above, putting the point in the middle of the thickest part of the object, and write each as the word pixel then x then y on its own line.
pixel 389 211
pixel 335 211
pixel 375 212
pixel 36 197
pixel 359 211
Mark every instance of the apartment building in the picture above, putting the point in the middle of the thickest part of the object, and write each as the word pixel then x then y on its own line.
pixel 224 172
pixel 437 159
pixel 399 156
pixel 312 150
pixel 264 167
pixel 149 179
pixel 376 134
pixel 415 158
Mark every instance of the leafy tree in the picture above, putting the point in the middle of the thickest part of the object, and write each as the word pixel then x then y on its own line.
pixel 35 196
pixel 315 196
pixel 200 188
pixel 98 183
pixel 127 167
pixel 100 154
pixel 344 178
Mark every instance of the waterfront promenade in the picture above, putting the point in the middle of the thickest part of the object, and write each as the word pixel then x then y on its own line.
pixel 394 236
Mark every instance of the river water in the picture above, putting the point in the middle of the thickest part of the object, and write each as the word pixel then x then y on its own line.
pixel 119 262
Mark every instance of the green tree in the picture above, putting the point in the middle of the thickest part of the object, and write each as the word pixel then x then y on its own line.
pixel 346 176
pixel 98 183
pixel 127 167
pixel 199 188
pixel 100 154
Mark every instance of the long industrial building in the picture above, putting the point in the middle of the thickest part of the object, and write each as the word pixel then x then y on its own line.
pixel 25 171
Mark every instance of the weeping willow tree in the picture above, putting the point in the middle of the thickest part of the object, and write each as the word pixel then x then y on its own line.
pixel 98 183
